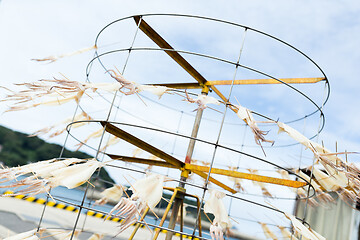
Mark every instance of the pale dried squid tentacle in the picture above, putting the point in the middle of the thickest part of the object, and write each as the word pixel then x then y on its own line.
pixel 51 59
pixel 54 92
pixel 303 194
pixel 58 100
pixel 128 209
pixel 33 185
pixel 131 86
pixel 147 192
pixel 246 115
pixel 8 174
pixel 216 232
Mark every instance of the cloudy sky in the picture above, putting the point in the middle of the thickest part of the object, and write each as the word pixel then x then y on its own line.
pixel 327 31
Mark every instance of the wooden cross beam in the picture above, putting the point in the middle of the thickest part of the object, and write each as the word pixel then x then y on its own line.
pixel 239 82
pixel 172 162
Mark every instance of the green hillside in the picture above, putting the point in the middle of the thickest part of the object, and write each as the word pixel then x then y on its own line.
pixel 17 149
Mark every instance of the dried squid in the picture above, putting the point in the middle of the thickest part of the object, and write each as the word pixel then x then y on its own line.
pixel 52 173
pixel 114 193
pixel 301 229
pixel 246 115
pixel 60 91
pixel 147 192
pixel 215 206
pixel 201 100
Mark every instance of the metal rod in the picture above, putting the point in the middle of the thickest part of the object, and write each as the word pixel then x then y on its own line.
pixel 190 151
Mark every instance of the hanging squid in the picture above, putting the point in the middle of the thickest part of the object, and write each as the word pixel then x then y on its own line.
pixel 147 192
pixel 301 229
pixel 49 174
pixel 246 115
pixel 320 152
pixel 114 194
pixel 329 183
pixel 345 175
pixel 124 83
pixel 134 87
pixel 201 100
pixel 301 192
pixel 215 206
pixel 13 173
pixel 320 194
pixel 61 91
pixel 156 90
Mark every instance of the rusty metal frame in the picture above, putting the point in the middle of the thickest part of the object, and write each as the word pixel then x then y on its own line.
pixel 186 167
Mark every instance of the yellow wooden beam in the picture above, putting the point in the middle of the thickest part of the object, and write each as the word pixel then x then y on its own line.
pixel 110 128
pixel 141 160
pixel 213 180
pixel 240 82
pixel 161 42
pixel 249 176
pixel 265 81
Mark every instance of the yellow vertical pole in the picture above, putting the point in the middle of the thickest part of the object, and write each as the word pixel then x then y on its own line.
pixel 157 230
pixel 138 224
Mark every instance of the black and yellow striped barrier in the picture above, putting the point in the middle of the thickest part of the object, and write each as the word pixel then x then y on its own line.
pixel 76 209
